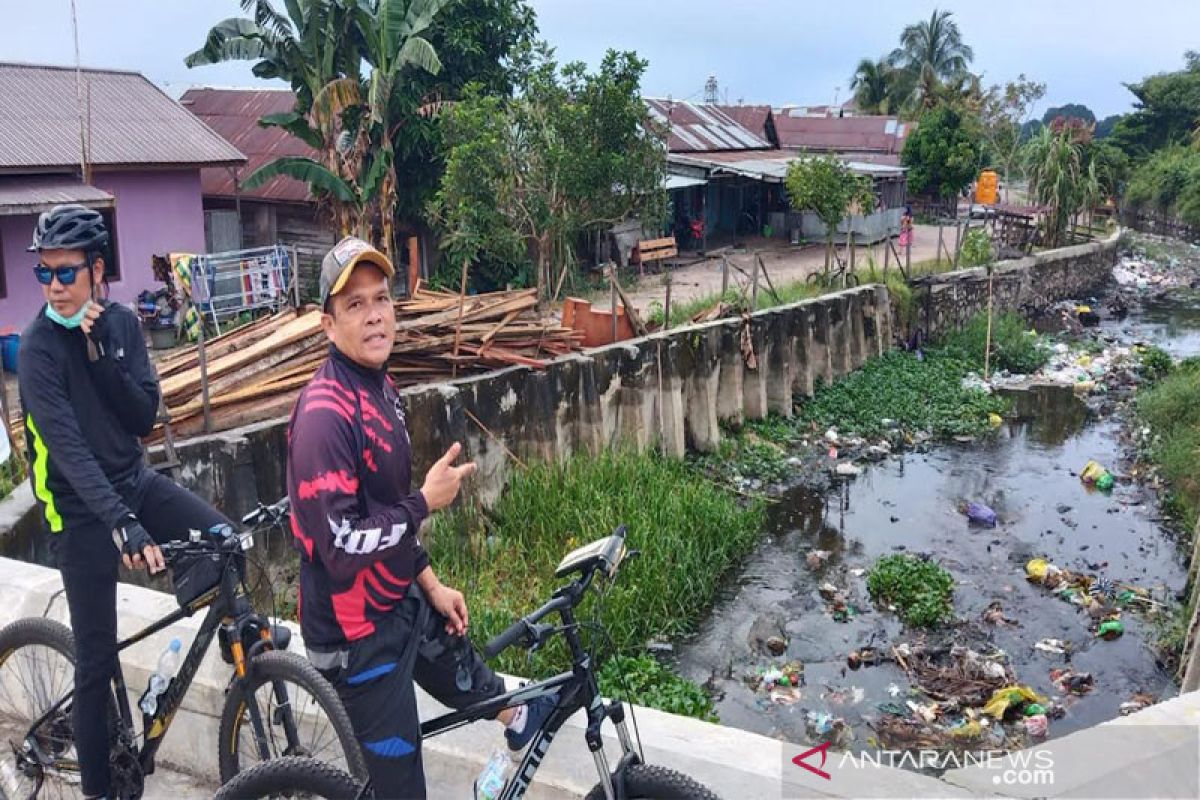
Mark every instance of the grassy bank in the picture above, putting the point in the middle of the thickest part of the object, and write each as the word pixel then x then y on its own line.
pixel 1171 409
pixel 688 531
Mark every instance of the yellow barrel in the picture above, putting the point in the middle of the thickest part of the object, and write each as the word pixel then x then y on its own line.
pixel 986 187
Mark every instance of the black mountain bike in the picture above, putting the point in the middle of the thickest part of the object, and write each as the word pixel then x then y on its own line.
pixel 276 703
pixel 573 690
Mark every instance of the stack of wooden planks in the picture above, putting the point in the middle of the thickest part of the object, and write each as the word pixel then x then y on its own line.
pixel 255 372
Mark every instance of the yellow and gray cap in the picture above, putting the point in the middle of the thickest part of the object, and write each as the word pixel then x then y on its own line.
pixel 341 261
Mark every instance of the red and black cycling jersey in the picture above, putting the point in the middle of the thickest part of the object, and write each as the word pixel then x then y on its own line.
pixel 354 517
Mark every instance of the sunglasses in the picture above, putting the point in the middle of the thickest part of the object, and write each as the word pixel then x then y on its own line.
pixel 66 275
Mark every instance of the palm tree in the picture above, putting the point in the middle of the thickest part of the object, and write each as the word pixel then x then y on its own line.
pixel 310 47
pixel 390 32
pixel 930 52
pixel 872 83
pixel 1057 179
pixel 319 46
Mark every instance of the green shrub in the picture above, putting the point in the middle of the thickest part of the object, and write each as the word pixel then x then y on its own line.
pixel 976 249
pixel 1014 347
pixel 647 682
pixel 1154 364
pixel 920 590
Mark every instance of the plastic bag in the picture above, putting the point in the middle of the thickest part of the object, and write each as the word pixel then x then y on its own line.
pixel 1010 697
pixel 979 514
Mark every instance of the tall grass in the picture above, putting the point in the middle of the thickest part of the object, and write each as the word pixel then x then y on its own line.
pixel 688 531
pixel 1171 408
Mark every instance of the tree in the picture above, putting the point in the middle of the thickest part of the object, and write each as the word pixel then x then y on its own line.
pixel 1104 127
pixel 1004 110
pixel 931 52
pixel 1070 111
pixel 827 187
pixel 1167 112
pixel 476 41
pixel 571 152
pixel 943 154
pixel 873 84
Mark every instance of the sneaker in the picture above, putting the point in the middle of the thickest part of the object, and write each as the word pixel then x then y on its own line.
pixel 537 711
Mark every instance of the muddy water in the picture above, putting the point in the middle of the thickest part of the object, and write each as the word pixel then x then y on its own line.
pixel 909 504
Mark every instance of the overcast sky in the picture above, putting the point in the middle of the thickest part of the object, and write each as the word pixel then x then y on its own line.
pixel 770 51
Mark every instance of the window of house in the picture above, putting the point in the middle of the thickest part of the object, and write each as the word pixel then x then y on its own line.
pixel 112 266
pixel 3 273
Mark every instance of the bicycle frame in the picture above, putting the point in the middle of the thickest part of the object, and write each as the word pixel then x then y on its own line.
pixel 227 608
pixel 575 689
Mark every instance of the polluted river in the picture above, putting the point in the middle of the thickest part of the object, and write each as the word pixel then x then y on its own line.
pixel 795 649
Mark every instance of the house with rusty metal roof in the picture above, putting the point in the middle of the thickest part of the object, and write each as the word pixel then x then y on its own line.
pixel 282 210
pixel 864 139
pixel 727 164
pixel 110 140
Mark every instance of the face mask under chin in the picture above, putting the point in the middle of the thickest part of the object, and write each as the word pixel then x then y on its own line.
pixel 70 322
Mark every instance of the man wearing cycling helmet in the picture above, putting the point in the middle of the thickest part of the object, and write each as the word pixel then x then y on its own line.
pixel 89 393
pixel 374 615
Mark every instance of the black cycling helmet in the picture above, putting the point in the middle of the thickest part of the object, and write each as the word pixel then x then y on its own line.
pixel 69 227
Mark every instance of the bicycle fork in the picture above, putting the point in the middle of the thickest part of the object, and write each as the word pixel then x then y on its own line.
pixel 597 713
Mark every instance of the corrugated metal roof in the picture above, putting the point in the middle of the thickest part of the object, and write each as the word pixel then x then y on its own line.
pixel 234 114
pixel 33 194
pixel 770 166
pixel 132 121
pixel 752 118
pixel 697 127
pixel 672 182
pixel 840 134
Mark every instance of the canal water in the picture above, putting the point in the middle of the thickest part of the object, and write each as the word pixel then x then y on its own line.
pixel 1029 474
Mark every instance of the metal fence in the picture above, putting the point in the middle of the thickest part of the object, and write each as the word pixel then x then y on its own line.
pixel 226 284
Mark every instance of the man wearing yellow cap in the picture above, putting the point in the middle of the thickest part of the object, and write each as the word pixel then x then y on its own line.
pixel 374 615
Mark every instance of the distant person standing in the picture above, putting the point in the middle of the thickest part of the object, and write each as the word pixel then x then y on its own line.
pixel 906 227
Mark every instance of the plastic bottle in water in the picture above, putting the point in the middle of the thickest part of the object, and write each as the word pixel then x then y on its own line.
pixel 168 662
pixel 490 782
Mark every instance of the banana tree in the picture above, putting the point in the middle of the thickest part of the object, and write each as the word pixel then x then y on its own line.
pixel 390 39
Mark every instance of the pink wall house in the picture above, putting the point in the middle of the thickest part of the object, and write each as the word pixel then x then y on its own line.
pixel 145 153
pixel 155 213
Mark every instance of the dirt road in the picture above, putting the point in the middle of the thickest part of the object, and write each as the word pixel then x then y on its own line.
pixel 785 264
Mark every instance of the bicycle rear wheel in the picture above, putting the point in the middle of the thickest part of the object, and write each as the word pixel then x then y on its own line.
pixel 285 708
pixel 291 777
pixel 37 669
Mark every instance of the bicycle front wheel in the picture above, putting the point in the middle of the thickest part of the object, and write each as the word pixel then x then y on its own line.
pixel 291 777
pixel 657 783
pixel 285 708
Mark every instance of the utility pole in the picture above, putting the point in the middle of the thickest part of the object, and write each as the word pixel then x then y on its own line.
pixel 711 94
pixel 83 132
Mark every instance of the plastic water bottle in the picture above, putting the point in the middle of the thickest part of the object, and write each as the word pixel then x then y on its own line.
pixel 491 781
pixel 168 662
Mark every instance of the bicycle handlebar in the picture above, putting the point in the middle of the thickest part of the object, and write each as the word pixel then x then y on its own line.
pixel 525 629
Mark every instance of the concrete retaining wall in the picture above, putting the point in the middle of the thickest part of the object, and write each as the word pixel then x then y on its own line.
pixel 946 302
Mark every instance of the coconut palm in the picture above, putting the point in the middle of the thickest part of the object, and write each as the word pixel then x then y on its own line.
pixel 873 85
pixel 931 52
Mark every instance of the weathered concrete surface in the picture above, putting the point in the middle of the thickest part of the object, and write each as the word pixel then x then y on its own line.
pixel 946 302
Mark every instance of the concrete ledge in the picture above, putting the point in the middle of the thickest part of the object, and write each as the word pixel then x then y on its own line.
pixel 733 763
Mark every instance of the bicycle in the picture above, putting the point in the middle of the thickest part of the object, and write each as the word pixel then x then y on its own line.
pixel 276 702
pixel 575 689
pixel 837 276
